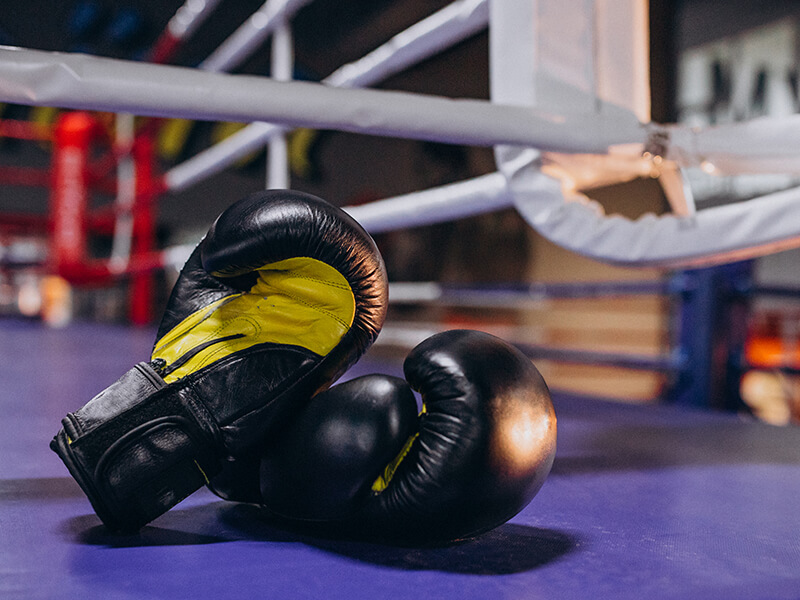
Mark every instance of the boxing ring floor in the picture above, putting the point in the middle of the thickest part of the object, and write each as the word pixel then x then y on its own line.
pixel 643 502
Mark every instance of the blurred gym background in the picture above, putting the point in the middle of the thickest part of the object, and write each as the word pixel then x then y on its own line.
pixel 724 337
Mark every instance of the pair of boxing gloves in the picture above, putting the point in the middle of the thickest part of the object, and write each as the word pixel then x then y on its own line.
pixel 280 298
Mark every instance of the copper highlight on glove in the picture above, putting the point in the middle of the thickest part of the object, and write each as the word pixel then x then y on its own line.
pixel 525 437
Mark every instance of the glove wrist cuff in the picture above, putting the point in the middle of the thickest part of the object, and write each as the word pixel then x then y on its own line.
pixel 139 448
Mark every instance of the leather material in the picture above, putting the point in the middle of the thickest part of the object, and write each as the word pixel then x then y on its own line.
pixel 143 444
pixel 298 225
pixel 137 446
pixel 485 443
pixel 127 391
pixel 322 467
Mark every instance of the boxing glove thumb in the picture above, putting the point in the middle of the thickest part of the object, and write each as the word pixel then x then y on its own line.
pixel 321 469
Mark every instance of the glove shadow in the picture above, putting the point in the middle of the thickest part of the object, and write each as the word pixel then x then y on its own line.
pixel 508 549
pixel 191 526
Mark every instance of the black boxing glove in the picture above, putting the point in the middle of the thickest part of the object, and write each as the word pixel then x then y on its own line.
pixel 283 294
pixel 360 462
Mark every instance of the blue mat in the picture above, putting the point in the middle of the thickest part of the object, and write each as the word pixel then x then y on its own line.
pixel 643 502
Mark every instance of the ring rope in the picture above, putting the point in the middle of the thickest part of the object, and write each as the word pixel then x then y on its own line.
pixel 441 30
pixel 723 233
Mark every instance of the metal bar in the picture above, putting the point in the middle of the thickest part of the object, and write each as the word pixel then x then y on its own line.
pixel 282 62
pixel 251 34
pixel 667 363
pixel 775 290
pixel 514 294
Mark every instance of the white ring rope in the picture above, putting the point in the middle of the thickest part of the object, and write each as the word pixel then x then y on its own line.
pixel 483 194
pixel 443 29
pixel 763 145
pixel 189 17
pixel 720 234
pixel 282 58
pixel 440 31
pixel 251 34
pixel 92 83
pixel 518 133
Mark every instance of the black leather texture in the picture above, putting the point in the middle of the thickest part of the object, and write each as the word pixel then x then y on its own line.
pixel 143 444
pixel 485 445
pixel 323 466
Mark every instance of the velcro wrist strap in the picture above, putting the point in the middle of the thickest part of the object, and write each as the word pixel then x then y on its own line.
pixel 137 463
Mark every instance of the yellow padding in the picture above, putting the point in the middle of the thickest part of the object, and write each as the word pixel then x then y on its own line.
pixel 382 482
pixel 298 301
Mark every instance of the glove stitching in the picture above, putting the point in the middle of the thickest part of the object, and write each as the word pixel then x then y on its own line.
pixel 207 358
pixel 198 410
pixel 210 358
pixel 327 282
pixel 319 309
